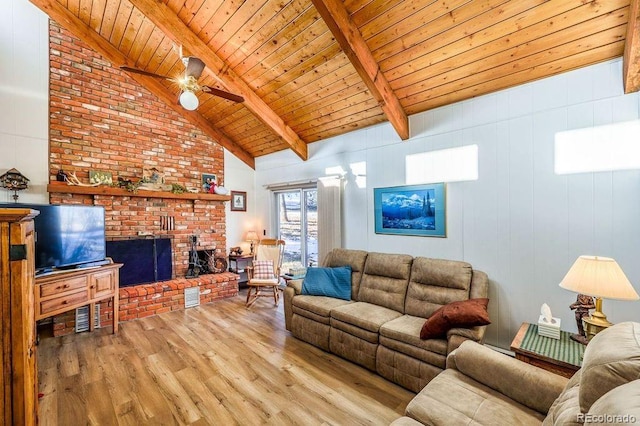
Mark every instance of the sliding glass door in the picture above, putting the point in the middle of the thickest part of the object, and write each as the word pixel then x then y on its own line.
pixel 297 225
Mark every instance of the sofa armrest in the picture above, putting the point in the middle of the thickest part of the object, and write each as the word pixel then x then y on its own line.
pixel 296 285
pixel 456 336
pixel 293 288
pixel 529 385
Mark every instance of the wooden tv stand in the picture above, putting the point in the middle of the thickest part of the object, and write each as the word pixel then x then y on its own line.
pixel 64 291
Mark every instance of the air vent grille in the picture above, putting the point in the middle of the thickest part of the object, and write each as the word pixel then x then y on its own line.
pixel 82 318
pixel 191 297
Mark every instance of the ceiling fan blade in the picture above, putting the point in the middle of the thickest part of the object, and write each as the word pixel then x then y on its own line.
pixel 222 94
pixel 194 67
pixel 143 72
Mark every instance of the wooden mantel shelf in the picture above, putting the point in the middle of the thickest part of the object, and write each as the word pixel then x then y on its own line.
pixel 63 188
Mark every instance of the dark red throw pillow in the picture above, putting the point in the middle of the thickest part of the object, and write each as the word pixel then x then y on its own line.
pixel 467 313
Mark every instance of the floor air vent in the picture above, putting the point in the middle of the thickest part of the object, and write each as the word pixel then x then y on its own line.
pixel 191 297
pixel 82 318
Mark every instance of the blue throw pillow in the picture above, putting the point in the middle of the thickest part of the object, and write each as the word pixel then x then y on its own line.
pixel 332 282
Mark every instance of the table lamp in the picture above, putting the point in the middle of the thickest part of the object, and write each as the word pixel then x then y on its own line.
pixel 600 277
pixel 252 236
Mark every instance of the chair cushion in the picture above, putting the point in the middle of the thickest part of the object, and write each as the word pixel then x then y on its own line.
pixel 466 313
pixel 263 269
pixel 611 359
pixel 331 282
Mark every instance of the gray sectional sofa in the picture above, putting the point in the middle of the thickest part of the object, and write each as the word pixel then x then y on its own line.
pixel 391 297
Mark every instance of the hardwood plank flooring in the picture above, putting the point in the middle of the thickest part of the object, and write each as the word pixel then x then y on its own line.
pixel 218 363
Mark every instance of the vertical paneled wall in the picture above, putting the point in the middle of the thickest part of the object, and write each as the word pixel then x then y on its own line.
pixel 24 96
pixel 520 222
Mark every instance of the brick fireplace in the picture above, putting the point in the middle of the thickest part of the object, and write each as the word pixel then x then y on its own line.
pixel 101 120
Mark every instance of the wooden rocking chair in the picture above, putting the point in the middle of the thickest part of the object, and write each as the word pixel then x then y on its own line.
pixel 264 275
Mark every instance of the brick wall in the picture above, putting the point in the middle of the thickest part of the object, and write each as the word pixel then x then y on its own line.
pixel 102 120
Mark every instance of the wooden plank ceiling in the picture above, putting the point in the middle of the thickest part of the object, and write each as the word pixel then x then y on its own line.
pixel 312 69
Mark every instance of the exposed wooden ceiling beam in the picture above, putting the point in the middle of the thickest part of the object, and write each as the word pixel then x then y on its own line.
pixel 631 59
pixel 62 16
pixel 355 47
pixel 164 18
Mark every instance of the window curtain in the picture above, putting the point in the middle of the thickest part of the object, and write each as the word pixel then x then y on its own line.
pixel 329 215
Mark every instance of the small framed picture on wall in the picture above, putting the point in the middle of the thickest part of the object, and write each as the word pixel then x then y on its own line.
pixel 238 201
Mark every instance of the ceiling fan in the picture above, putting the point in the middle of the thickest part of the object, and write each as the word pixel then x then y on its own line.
pixel 188 83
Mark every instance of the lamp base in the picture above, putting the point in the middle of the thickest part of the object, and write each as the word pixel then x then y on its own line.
pixel 596 322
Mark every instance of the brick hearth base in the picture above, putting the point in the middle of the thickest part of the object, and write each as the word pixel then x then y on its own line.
pixel 150 299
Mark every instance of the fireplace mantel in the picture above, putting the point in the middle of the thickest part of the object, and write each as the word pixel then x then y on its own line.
pixel 63 188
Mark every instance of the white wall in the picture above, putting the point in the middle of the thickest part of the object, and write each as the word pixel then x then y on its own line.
pixel 240 177
pixel 24 97
pixel 519 222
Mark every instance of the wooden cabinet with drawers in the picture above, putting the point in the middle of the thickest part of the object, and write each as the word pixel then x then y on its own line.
pixel 61 292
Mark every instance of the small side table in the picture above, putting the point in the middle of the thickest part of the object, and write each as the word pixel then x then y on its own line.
pixel 239 265
pixel 563 356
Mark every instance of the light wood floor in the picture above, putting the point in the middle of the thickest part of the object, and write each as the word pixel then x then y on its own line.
pixel 214 364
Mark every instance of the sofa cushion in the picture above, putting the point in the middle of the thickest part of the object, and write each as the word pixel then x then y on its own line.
pixel 620 405
pixel 367 316
pixel 385 280
pixel 406 329
pixel 472 360
pixel 434 283
pixel 331 282
pixel 452 398
pixel 466 313
pixel 566 408
pixel 611 359
pixel 346 257
pixel 320 305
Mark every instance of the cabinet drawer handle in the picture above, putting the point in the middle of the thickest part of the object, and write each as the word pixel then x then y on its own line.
pixel 64 302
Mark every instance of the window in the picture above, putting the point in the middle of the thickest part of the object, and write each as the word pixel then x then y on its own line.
pixel 297 225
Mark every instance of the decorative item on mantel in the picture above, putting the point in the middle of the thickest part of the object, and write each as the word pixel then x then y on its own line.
pixel 73 180
pixel 153 180
pixel 548 326
pixel 14 181
pixel 100 177
pixel 600 277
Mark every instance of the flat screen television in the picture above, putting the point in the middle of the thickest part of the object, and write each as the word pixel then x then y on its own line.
pixel 67 235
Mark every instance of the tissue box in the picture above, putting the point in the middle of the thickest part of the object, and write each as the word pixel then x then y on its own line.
pixel 547 329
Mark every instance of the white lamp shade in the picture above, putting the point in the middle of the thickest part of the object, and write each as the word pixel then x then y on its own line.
pixel 189 100
pixel 251 236
pixel 599 277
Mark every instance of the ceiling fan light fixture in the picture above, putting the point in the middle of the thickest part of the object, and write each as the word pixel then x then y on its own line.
pixel 189 100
